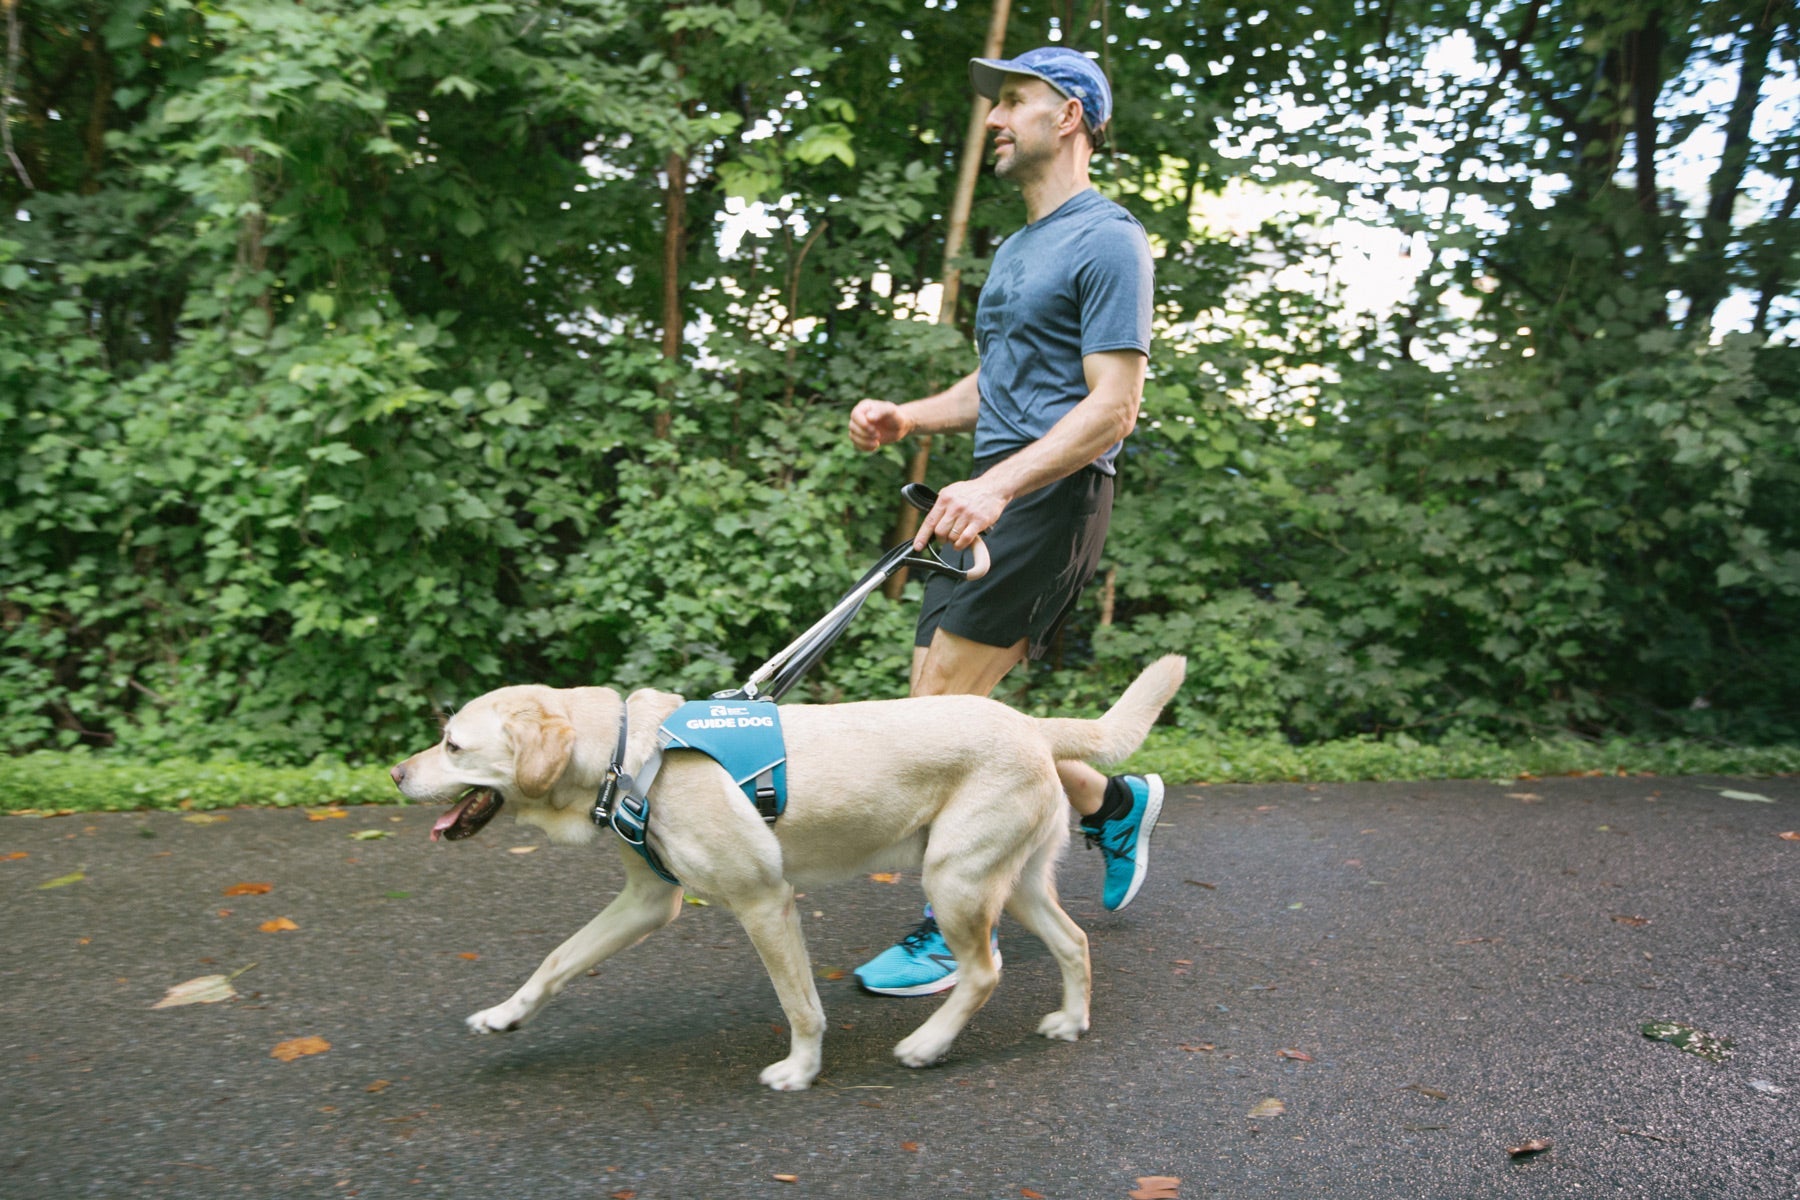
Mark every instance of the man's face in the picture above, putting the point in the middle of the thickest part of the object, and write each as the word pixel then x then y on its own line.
pixel 1024 124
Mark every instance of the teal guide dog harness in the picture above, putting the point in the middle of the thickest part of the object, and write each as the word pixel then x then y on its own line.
pixel 743 736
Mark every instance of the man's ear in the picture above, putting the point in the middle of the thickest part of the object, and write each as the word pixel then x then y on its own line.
pixel 1065 124
pixel 541 744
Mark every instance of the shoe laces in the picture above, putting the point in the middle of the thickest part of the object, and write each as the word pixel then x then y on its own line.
pixel 925 932
pixel 1115 847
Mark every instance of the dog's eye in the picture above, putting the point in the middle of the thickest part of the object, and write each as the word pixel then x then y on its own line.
pixel 451 746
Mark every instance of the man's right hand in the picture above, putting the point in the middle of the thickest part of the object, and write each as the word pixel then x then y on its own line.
pixel 877 423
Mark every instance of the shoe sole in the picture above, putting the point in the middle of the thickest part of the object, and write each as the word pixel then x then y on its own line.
pixel 1141 860
pixel 924 989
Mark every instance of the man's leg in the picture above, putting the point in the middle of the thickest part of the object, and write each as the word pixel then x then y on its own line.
pixel 956 666
pixel 921 964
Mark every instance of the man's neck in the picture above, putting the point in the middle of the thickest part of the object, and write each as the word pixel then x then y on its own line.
pixel 1061 180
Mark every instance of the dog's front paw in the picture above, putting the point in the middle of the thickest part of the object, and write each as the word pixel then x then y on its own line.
pixel 918 1051
pixel 502 1018
pixel 1062 1026
pixel 790 1074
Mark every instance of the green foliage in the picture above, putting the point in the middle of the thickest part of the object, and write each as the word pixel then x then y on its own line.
pixel 59 781
pixel 331 394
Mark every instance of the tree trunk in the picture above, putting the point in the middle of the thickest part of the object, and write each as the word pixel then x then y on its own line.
pixel 1711 285
pixel 674 237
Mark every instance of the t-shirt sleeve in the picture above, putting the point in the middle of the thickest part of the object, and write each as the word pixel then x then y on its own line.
pixel 1117 289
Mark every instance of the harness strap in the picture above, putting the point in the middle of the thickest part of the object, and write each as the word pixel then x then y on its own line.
pixel 624 804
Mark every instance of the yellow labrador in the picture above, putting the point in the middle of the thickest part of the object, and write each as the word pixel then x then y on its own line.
pixel 961 786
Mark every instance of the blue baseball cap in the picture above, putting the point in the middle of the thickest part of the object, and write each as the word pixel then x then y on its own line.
pixel 1070 72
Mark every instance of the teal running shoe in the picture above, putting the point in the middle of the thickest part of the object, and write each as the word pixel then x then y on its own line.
pixel 1124 841
pixel 920 964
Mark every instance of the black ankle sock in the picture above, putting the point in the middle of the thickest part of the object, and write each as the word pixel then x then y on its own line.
pixel 1115 803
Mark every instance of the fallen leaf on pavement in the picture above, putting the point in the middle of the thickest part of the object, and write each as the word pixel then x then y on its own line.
pixel 249 889
pixel 885 877
pixel 626 1194
pixel 1534 1146
pixel 1792 835
pixel 1682 1036
pixel 1157 1187
pixel 1196 1047
pixel 787 1179
pixel 1753 797
pixel 1031 1195
pixel 206 818
pixel 1297 1055
pixel 523 850
pixel 380 1085
pixel 278 925
pixel 207 989
pixel 1527 797
pixel 1267 1108
pixel 300 1047
pixel 1429 1093
pixel 326 814
pixel 833 974
pixel 910 1147
pixel 469 954
pixel 63 880
pixel 1634 922
pixel 1763 1085
pixel 18 854
pixel 370 835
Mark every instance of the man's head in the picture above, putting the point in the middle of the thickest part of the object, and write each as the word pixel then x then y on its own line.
pixel 1071 75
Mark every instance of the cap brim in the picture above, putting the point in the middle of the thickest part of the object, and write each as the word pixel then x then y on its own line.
pixel 988 74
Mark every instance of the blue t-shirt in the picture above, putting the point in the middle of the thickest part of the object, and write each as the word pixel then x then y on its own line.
pixel 1073 283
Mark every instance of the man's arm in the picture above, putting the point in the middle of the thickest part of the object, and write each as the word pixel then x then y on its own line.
pixel 1115 380
pixel 876 423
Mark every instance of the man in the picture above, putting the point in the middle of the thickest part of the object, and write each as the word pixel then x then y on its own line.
pixel 1063 330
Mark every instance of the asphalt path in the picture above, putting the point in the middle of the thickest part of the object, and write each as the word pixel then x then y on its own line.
pixel 1343 990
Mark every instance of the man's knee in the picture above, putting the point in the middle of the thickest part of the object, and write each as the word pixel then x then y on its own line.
pixel 956 666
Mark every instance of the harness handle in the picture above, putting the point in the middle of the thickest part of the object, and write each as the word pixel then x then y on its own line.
pixel 925 499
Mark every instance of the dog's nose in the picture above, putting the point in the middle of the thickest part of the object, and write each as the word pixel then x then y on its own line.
pixel 397 773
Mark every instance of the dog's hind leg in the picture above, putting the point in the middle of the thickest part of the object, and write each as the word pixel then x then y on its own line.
pixel 965 909
pixel 774 928
pixel 646 905
pixel 1033 904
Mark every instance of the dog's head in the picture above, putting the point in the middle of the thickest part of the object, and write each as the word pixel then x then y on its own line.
pixel 542 749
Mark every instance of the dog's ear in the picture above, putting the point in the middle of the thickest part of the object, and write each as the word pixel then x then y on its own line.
pixel 542 743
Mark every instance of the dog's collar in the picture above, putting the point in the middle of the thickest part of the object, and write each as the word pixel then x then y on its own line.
pixel 624 803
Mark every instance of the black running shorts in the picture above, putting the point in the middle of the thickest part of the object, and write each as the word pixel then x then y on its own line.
pixel 1045 546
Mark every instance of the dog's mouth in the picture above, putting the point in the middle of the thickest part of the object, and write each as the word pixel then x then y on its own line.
pixel 476 808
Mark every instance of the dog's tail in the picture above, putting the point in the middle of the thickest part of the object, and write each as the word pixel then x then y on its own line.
pixel 1123 728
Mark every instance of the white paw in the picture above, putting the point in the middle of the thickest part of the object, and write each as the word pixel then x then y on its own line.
pixel 916 1051
pixel 790 1075
pixel 502 1018
pixel 1062 1027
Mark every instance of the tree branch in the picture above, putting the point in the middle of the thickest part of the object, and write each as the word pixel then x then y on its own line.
pixel 7 99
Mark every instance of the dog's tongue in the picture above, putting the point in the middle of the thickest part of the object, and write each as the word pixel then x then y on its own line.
pixel 468 815
pixel 448 819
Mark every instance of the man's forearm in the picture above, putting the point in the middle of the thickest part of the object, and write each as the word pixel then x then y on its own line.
pixel 952 410
pixel 1082 436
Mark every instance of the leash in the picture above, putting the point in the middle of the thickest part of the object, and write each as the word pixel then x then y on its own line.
pixel 623 804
